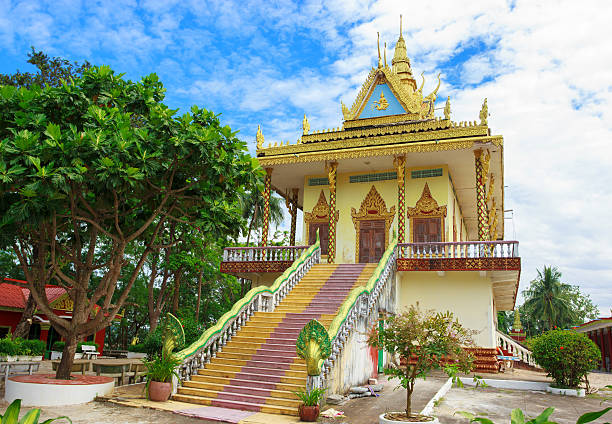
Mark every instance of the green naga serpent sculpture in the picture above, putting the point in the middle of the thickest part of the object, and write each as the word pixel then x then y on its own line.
pixel 314 346
pixel 172 336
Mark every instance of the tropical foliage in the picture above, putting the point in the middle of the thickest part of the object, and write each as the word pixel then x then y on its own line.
pixel 567 356
pixel 310 397
pixel 517 416
pixel 97 171
pixel 11 415
pixel 550 304
pixel 424 341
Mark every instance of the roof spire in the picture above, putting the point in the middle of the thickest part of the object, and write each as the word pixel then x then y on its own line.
pixel 378 44
pixel 400 62
pixel 385 53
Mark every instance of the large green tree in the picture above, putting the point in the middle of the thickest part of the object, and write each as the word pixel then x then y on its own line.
pixel 50 71
pixel 95 166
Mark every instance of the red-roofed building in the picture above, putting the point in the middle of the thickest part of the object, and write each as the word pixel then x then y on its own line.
pixel 600 331
pixel 14 297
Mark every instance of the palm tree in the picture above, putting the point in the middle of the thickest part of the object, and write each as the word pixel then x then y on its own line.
pixel 252 210
pixel 547 298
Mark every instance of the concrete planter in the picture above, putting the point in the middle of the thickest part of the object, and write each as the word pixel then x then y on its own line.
pixel 55 355
pixel 45 390
pixel 136 355
pixel 9 358
pixel 566 392
pixel 383 420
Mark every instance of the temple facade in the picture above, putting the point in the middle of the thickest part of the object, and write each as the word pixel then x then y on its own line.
pixel 399 166
pixel 401 205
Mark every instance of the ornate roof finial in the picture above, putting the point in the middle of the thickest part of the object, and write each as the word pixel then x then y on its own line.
pixel 305 125
pixel 517 326
pixel 378 44
pixel 401 63
pixel 259 138
pixel 484 113
pixel 447 109
pixel 385 54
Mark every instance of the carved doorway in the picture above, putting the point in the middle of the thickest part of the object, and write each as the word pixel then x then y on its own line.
pixel 318 219
pixel 323 228
pixel 371 241
pixel 373 221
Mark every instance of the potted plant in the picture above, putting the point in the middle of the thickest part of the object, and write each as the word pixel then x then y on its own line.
pixel 567 357
pixel 136 351
pixel 159 375
pixel 309 409
pixel 56 350
pixel 8 349
pixel 422 341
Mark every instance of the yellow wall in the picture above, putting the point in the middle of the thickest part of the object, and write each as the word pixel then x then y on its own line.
pixel 350 195
pixel 466 294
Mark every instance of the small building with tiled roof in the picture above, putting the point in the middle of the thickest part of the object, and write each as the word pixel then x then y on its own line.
pixel 600 331
pixel 13 299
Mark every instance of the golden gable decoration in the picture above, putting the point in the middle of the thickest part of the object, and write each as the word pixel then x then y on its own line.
pixel 320 211
pixel 63 303
pixel 426 206
pixel 373 207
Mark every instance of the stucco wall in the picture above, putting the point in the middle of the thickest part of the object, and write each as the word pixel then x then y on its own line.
pixel 466 294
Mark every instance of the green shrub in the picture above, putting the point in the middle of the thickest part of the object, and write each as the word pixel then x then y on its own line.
pixel 58 346
pixel 162 368
pixel 310 397
pixel 32 347
pixel 86 344
pixel 567 356
pixel 8 347
pixel 152 344
pixel 138 347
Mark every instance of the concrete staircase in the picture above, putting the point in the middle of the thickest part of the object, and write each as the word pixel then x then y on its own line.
pixel 258 369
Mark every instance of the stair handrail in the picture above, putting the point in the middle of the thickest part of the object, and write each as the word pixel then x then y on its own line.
pixel 515 348
pixel 359 298
pixel 259 298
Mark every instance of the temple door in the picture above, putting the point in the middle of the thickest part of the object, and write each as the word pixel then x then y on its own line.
pixel 323 228
pixel 371 241
pixel 427 230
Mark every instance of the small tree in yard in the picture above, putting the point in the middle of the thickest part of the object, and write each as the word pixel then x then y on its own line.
pixel 567 356
pixel 96 166
pixel 423 341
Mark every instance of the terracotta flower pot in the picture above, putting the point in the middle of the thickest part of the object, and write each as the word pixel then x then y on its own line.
pixel 309 413
pixel 159 392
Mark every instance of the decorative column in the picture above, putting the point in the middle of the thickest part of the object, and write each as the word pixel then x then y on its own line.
pixel 291 203
pixel 266 211
pixel 333 214
pixel 610 346
pixel 400 164
pixel 482 169
pixel 603 349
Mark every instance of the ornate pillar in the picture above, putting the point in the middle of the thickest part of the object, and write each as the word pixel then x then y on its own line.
pixel 291 203
pixel 602 345
pixel 333 214
pixel 266 211
pixel 482 169
pixel 400 164
pixel 610 346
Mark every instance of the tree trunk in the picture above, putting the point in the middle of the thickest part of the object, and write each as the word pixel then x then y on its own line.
pixel 197 311
pixel 23 327
pixel 178 275
pixel 153 320
pixel 65 365
pixel 253 218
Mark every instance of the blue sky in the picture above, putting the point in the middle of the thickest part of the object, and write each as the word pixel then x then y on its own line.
pixel 542 66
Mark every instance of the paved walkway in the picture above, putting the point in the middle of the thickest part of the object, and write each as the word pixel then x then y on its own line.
pixel 497 404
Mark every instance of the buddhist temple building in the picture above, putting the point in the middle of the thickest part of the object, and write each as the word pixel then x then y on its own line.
pixel 403 204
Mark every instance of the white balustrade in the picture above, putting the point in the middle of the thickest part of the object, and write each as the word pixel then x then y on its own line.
pixel 460 249
pixel 263 254
pixel 515 349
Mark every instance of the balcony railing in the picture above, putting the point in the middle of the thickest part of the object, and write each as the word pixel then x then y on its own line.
pixel 460 249
pixel 263 254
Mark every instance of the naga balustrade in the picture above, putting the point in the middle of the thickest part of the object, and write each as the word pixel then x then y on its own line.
pixel 360 303
pixel 261 298
pixel 515 349
pixel 267 253
pixel 459 249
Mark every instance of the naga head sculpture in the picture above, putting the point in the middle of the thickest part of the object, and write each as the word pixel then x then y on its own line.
pixel 173 335
pixel 314 346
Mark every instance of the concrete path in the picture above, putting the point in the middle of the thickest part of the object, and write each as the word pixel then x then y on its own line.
pixel 496 405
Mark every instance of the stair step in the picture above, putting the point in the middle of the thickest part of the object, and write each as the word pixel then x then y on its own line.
pixel 240 397
pixel 253 376
pixel 295 366
pixel 207 379
pixel 249 390
pixel 245 406
pixel 256 370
